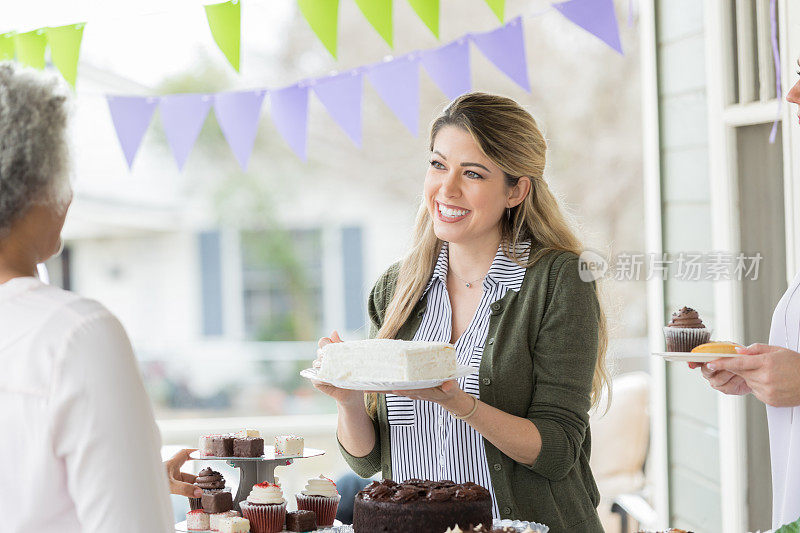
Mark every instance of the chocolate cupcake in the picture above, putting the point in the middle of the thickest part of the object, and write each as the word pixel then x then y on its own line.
pixel 685 331
pixel 210 481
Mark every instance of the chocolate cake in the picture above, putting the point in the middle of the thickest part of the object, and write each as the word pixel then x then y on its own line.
pixel 301 521
pixel 420 506
pixel 221 446
pixel 217 502
pixel 248 447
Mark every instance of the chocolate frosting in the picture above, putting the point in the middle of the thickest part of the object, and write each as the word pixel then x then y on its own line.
pixel 418 489
pixel 685 317
pixel 210 479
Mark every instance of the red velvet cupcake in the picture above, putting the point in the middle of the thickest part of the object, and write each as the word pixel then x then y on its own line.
pixel 320 496
pixel 265 508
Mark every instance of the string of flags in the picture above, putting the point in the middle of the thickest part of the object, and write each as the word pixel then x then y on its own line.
pixel 396 79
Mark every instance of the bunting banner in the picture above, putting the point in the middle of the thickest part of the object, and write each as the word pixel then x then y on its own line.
pixel 182 116
pixel 7 46
pixel 396 80
pixel 379 14
pixel 238 114
pixel 131 116
pixel 428 12
pixel 323 17
pixel 595 16
pixel 289 108
pixel 225 21
pixel 65 47
pixel 341 96
pixel 30 47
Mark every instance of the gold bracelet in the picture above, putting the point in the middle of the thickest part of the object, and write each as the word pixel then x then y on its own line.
pixel 472 412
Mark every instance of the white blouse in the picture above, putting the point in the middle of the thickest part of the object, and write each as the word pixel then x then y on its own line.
pixel 79 450
pixel 784 422
pixel 426 442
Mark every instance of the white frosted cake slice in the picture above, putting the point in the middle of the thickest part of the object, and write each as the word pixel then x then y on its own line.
pixel 387 360
pixel 289 445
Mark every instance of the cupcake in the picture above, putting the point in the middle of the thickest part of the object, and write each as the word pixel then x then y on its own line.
pixel 210 481
pixel 320 496
pixel 685 331
pixel 265 508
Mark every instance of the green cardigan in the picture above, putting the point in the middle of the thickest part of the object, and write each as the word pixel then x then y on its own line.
pixel 538 363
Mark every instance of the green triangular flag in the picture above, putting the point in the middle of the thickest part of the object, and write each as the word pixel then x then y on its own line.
pixel 7 46
pixel 65 47
pixel 323 17
pixel 379 14
pixel 30 48
pixel 428 11
pixel 225 21
pixel 499 7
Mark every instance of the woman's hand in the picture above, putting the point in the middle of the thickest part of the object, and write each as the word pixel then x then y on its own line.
pixel 449 395
pixel 180 482
pixel 723 380
pixel 343 397
pixel 772 373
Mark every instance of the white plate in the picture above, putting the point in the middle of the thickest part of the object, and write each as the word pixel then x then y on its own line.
pixel 519 525
pixel 180 527
pixel 269 455
pixel 461 371
pixel 689 357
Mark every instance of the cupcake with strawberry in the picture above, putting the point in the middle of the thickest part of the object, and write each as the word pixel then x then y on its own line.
pixel 320 496
pixel 265 508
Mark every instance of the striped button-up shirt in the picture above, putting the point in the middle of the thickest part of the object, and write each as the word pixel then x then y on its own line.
pixel 426 442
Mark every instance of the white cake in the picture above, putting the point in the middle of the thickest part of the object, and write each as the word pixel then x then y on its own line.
pixel 387 360
pixel 197 520
pixel 234 524
pixel 244 433
pixel 289 445
pixel 215 518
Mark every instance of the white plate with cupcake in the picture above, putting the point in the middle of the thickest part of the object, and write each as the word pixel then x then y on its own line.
pixel 688 339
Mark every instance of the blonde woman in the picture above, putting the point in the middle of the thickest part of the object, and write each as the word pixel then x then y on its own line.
pixel 494 270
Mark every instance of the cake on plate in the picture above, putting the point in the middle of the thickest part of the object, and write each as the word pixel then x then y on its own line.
pixel 387 360
pixel 420 506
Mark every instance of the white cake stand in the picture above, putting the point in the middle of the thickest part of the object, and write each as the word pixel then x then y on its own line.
pixel 253 470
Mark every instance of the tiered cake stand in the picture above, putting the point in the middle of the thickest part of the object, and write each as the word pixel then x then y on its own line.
pixel 253 470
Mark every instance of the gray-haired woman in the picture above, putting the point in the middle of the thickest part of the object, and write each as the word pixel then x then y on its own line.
pixel 79 450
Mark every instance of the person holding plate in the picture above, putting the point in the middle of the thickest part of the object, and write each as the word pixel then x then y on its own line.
pixel 493 269
pixel 771 372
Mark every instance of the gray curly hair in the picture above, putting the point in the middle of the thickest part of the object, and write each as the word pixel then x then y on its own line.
pixel 34 150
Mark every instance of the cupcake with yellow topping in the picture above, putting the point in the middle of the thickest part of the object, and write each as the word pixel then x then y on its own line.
pixel 320 496
pixel 265 508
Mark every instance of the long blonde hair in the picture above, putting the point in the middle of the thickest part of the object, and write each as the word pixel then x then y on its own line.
pixel 509 136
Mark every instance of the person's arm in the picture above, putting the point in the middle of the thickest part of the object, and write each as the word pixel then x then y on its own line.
pixel 103 429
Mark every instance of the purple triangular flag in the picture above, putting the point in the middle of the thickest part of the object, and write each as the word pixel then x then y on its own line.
pixel 595 16
pixel 397 82
pixel 341 96
pixel 448 66
pixel 289 108
pixel 131 116
pixel 505 47
pixel 183 116
pixel 238 114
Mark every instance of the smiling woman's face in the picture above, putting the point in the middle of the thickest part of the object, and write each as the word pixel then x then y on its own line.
pixel 466 194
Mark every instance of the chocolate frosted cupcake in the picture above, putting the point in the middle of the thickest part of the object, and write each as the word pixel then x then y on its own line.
pixel 685 331
pixel 320 496
pixel 210 481
pixel 265 508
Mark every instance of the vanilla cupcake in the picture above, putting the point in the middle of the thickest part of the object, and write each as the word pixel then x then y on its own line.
pixel 265 508
pixel 685 331
pixel 320 496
